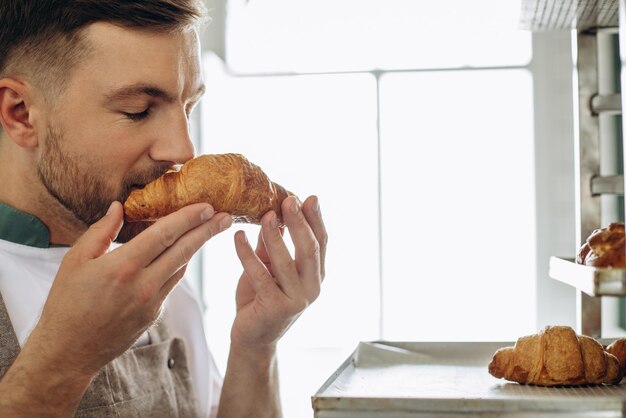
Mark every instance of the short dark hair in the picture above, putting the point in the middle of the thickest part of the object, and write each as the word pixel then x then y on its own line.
pixel 43 39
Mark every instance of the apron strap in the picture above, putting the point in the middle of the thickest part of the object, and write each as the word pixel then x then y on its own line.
pixel 9 345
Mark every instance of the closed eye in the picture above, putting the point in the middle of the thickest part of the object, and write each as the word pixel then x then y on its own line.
pixel 135 117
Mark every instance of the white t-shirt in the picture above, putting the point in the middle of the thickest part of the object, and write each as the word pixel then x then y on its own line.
pixel 27 273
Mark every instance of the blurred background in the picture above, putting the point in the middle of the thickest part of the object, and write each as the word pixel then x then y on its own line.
pixel 438 138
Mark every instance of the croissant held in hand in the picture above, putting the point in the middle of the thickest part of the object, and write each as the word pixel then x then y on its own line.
pixel 229 182
pixel 556 357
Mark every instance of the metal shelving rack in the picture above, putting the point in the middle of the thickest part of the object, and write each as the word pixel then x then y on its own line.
pixel 591 23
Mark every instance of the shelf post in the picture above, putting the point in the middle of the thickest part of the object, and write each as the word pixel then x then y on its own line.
pixel 587 163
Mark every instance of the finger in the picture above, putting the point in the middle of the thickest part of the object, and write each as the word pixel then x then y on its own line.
pixel 307 248
pixel 98 238
pixel 261 251
pixel 313 215
pixel 283 266
pixel 160 236
pixel 259 276
pixel 179 254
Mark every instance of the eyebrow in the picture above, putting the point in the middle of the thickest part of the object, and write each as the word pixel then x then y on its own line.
pixel 133 91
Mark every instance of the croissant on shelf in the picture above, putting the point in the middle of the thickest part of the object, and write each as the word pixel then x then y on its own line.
pixel 229 182
pixel 556 356
pixel 604 247
pixel 618 349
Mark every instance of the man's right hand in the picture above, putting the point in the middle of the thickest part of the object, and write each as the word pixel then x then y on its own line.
pixel 101 302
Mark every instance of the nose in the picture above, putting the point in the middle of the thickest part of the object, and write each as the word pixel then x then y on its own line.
pixel 173 143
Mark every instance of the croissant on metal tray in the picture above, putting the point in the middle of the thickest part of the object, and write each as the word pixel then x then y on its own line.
pixel 618 349
pixel 229 182
pixel 556 356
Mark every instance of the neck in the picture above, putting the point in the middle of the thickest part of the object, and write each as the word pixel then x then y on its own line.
pixel 23 190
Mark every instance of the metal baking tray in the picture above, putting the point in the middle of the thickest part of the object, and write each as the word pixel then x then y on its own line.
pixel 594 281
pixel 445 380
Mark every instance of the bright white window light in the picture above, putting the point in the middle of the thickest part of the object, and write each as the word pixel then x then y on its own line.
pixel 348 35
pixel 458 205
pixel 313 135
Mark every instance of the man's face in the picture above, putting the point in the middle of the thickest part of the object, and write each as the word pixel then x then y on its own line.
pixel 122 121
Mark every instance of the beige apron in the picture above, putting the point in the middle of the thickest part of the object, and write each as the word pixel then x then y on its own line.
pixel 149 381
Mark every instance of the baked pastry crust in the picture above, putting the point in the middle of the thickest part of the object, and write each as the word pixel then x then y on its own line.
pixel 229 182
pixel 556 356
pixel 618 349
pixel 605 247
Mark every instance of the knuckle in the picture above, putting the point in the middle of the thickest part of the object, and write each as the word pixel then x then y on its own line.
pixel 286 265
pixel 127 272
pixel 273 238
pixel 268 278
pixel 191 223
pixel 264 277
pixel 299 218
pixel 185 254
pixel 323 241
pixel 167 237
pixel 299 305
pixel 72 256
pixel 144 295
pixel 212 229
pixel 101 240
pixel 264 280
pixel 313 250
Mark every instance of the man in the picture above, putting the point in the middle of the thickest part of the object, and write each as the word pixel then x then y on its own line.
pixel 94 101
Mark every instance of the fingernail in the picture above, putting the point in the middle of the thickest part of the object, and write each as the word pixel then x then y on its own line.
pixel 226 222
pixel 207 214
pixel 274 221
pixel 316 205
pixel 110 209
pixel 295 206
pixel 243 238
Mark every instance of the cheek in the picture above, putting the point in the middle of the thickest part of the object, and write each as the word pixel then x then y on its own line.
pixel 102 147
pixel 115 163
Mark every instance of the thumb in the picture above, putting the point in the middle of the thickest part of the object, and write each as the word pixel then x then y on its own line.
pixel 97 239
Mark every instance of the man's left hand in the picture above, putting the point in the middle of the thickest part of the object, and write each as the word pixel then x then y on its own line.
pixel 275 287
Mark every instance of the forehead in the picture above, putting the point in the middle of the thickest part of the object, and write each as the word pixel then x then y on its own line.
pixel 120 56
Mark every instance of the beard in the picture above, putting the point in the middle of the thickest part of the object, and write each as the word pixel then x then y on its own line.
pixel 83 190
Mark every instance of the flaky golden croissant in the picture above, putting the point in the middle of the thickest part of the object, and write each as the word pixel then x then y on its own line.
pixel 556 357
pixel 618 349
pixel 605 247
pixel 229 182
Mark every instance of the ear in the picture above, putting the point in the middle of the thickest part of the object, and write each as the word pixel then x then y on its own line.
pixel 15 113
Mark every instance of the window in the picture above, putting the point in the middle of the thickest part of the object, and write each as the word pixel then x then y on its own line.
pixel 457 193
pixel 351 35
pixel 412 121
pixel 313 135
